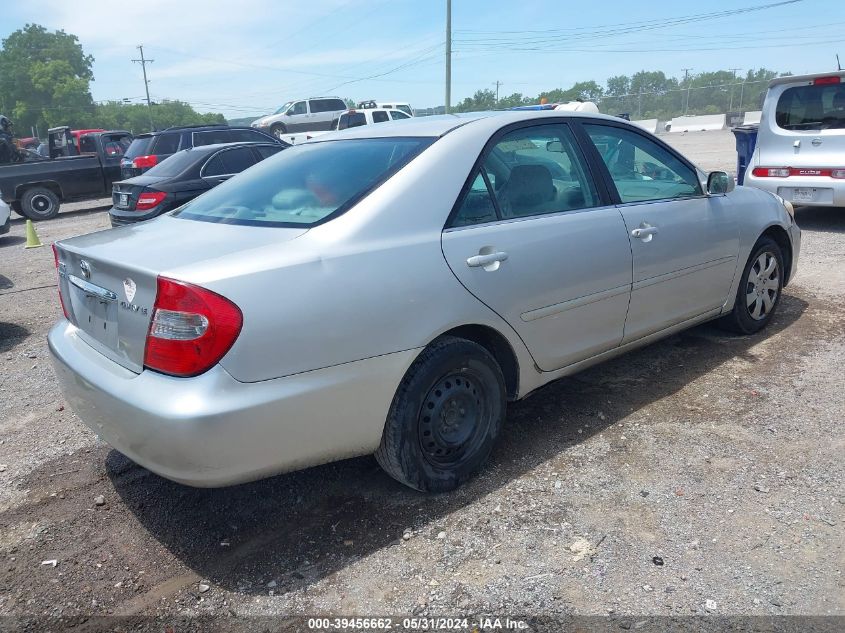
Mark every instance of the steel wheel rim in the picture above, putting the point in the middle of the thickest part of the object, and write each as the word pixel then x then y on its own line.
pixel 762 286
pixel 41 203
pixel 451 422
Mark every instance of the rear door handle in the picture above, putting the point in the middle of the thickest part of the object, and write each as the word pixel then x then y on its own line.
pixel 488 262
pixel 644 232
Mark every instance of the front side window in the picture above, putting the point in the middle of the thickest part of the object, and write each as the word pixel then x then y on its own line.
pixel 298 108
pixel 815 107
pixel 396 115
pixel 641 169
pixel 379 116
pixel 529 171
pixel 305 184
pixel 247 136
pixel 406 109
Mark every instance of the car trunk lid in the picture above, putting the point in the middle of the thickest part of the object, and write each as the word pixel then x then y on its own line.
pixel 125 194
pixel 108 279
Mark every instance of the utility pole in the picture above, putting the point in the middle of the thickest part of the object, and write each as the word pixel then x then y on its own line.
pixel 640 103
pixel 733 70
pixel 448 56
pixel 686 81
pixel 498 83
pixel 144 63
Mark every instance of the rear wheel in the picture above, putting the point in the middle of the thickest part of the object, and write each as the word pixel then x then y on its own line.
pixel 445 416
pixel 759 289
pixel 39 203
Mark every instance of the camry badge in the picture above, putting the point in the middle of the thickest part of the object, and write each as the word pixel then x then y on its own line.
pixel 85 268
pixel 129 289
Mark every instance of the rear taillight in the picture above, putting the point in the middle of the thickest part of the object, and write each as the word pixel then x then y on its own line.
pixel 142 162
pixel 837 173
pixel 823 81
pixel 149 199
pixel 59 277
pixel 191 330
pixel 771 172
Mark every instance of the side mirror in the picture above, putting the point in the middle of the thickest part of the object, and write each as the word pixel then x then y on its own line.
pixel 554 146
pixel 719 183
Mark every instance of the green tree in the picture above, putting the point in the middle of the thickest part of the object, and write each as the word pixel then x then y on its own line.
pixel 480 101
pixel 44 79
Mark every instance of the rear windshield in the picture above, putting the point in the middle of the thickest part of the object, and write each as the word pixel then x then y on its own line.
pixel 306 184
pixel 140 146
pixel 175 164
pixel 817 107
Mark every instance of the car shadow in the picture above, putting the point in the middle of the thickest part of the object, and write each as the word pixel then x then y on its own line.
pixel 5 282
pixel 11 334
pixel 822 219
pixel 295 529
pixel 11 240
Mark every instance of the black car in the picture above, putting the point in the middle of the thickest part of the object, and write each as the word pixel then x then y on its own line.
pixel 148 150
pixel 183 177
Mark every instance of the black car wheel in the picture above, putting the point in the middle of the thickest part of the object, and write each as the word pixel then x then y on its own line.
pixel 39 203
pixel 759 290
pixel 445 416
pixel 278 130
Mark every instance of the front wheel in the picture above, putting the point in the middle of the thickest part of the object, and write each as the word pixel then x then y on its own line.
pixel 445 416
pixel 39 203
pixel 759 289
pixel 278 130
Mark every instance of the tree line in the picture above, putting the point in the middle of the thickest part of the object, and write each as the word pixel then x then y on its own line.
pixel 45 82
pixel 648 94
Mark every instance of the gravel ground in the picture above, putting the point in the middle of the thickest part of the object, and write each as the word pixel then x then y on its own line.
pixel 700 475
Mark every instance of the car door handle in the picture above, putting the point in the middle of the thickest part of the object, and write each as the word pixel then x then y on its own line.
pixel 644 232
pixel 486 260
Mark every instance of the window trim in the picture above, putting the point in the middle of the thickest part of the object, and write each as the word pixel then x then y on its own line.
pixel 604 198
pixel 605 172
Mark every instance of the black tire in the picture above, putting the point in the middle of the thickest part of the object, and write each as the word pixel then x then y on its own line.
pixel 39 203
pixel 445 416
pixel 758 294
pixel 278 129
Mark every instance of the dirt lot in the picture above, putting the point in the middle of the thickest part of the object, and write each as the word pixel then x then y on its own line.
pixel 703 474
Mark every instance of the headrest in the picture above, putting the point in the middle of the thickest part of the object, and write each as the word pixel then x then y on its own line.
pixel 530 185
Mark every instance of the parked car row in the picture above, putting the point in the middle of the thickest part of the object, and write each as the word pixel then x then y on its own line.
pixel 389 288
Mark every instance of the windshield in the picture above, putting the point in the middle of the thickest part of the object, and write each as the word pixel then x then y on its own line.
pixel 816 107
pixel 283 108
pixel 306 184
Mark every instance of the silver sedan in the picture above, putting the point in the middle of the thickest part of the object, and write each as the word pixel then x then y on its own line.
pixel 391 289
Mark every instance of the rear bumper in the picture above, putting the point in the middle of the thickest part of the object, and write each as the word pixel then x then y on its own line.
pixel 212 430
pixel 122 218
pixel 831 191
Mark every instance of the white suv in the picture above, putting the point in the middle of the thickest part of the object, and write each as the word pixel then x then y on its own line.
pixel 305 115
pixel 800 152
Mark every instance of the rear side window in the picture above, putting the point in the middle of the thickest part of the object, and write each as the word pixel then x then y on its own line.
pixel 379 117
pixel 351 119
pixel 530 171
pixel 238 159
pixel 334 105
pixel 266 151
pixel 305 184
pixel 247 136
pixel 140 146
pixel 167 143
pixel 211 137
pixel 816 107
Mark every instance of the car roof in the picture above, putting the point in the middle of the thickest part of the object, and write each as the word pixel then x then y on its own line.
pixel 435 126
pixel 213 147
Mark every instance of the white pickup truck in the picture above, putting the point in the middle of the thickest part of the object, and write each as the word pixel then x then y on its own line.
pixel 347 119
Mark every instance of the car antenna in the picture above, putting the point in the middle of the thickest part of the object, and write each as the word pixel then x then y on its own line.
pixel 838 65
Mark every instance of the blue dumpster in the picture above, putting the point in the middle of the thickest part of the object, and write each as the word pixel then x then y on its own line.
pixel 746 140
